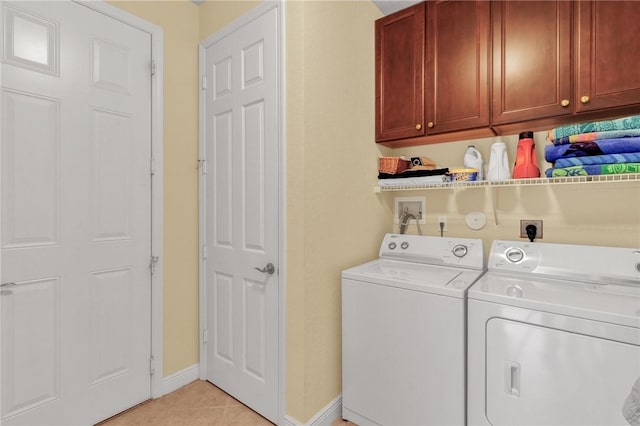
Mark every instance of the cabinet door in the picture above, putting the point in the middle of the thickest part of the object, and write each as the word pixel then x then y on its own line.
pixel 457 85
pixel 400 74
pixel 608 60
pixel 531 60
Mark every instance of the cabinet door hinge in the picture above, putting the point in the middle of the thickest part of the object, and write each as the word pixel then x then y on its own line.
pixel 204 82
pixel 204 252
pixel 153 68
pixel 205 336
pixel 153 264
pixel 152 366
pixel 153 166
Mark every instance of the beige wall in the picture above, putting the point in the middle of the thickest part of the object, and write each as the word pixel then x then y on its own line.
pixel 179 20
pixel 334 219
pixel 216 14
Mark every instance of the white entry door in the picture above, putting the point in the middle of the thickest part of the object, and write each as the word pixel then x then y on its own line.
pixel 241 280
pixel 76 214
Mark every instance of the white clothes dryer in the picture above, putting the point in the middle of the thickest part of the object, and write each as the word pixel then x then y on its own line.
pixel 403 331
pixel 554 336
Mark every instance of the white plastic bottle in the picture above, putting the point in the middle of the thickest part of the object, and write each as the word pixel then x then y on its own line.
pixel 498 163
pixel 473 158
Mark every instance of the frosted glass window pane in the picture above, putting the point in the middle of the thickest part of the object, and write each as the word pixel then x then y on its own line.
pixel 31 41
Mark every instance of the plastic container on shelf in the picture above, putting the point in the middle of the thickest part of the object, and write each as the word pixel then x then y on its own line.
pixel 473 160
pixel 498 163
pixel 469 174
pixel 526 165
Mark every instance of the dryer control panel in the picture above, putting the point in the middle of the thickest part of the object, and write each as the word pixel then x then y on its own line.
pixel 574 262
pixel 464 252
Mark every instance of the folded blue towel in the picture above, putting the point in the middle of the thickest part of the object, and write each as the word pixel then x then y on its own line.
pixel 632 157
pixel 601 147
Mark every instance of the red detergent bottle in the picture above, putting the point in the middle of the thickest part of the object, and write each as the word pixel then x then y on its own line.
pixel 526 165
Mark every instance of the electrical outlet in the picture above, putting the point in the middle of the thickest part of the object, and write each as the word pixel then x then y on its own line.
pixel 525 223
pixel 442 219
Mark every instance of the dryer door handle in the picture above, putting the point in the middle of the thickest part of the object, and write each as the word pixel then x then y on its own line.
pixel 512 378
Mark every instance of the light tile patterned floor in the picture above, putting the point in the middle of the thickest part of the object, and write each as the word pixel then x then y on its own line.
pixel 196 404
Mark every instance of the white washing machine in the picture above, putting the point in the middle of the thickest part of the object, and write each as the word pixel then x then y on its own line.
pixel 554 336
pixel 403 331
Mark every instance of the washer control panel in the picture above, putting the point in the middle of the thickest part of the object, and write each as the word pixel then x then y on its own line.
pixel 465 252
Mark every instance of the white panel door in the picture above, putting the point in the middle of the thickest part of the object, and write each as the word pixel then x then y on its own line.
pixel 76 214
pixel 241 220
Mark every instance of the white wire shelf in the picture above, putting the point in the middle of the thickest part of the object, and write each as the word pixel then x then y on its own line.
pixel 626 177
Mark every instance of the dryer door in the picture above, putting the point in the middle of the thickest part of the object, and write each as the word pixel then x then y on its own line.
pixel 544 376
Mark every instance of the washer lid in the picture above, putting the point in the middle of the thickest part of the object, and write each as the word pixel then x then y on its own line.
pixel 614 303
pixel 415 276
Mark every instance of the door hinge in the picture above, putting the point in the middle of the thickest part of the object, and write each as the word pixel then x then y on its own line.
pixel 152 366
pixel 204 252
pixel 202 165
pixel 153 264
pixel 153 68
pixel 204 82
pixel 205 336
pixel 153 166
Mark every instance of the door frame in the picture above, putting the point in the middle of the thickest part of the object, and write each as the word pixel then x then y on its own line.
pixel 282 267
pixel 157 132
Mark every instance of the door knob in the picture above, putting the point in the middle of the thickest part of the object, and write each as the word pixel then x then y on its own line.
pixel 584 99
pixel 430 124
pixel 418 126
pixel 565 102
pixel 269 269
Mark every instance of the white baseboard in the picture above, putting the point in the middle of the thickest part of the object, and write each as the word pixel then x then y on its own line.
pixel 325 417
pixel 290 421
pixel 180 379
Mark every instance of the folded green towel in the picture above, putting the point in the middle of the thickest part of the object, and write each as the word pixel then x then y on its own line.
pixel 594 169
pixel 630 122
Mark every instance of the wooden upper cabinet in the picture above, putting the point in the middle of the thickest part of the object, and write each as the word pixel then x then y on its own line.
pixel 400 74
pixel 531 60
pixel 457 64
pixel 608 54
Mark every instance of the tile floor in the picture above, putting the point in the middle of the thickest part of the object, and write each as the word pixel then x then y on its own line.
pixel 198 403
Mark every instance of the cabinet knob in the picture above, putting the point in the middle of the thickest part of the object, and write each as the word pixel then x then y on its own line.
pixel 430 124
pixel 565 102
pixel 418 126
pixel 584 99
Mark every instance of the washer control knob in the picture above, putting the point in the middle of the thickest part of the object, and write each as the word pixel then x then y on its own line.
pixel 392 246
pixel 404 245
pixel 459 250
pixel 514 255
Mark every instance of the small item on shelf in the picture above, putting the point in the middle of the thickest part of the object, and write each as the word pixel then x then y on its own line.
pixel 468 174
pixel 473 159
pixel 526 165
pixel 393 165
pixel 498 163
pixel 422 163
